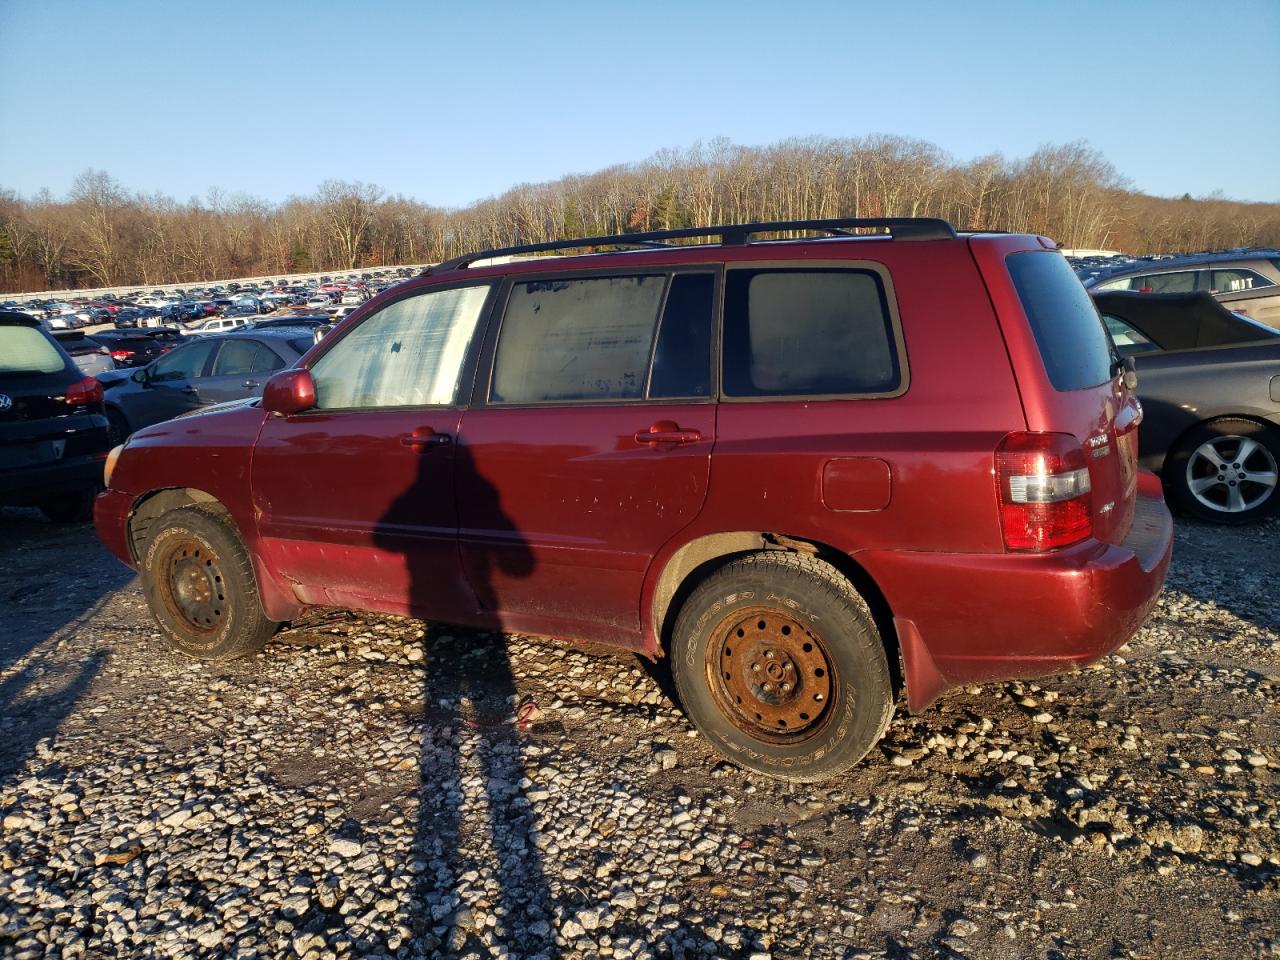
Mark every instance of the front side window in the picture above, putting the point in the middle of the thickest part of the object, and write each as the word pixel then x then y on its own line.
pixel 808 333
pixel 185 363
pixel 1128 340
pixel 587 339
pixel 408 354
pixel 1183 281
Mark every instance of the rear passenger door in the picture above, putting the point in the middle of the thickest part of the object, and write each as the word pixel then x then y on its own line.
pixel 240 369
pixel 587 447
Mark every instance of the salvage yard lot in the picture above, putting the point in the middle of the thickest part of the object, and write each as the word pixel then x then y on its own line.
pixel 360 788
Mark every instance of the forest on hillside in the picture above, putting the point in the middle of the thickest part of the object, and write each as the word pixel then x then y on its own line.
pixel 102 235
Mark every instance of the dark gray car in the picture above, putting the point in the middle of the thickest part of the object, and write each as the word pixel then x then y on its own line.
pixel 1209 383
pixel 203 371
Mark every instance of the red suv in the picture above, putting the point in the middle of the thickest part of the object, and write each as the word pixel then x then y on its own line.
pixel 787 464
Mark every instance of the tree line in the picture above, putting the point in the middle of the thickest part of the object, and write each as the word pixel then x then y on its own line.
pixel 102 235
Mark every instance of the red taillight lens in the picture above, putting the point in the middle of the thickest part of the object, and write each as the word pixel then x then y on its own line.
pixel 1043 484
pixel 121 354
pixel 84 392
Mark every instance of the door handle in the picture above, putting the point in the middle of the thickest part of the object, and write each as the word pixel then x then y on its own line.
pixel 250 384
pixel 667 431
pixel 426 437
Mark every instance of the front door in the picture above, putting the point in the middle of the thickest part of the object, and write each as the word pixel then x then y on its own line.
pixel 169 388
pixel 240 369
pixel 356 497
pixel 591 448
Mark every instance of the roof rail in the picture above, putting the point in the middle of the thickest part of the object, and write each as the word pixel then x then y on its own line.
pixel 899 228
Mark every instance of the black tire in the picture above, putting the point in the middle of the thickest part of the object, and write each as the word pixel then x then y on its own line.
pixel 1231 497
pixel 117 427
pixel 199 583
pixel 69 507
pixel 785 616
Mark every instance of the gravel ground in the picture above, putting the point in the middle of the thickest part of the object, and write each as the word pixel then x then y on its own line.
pixel 360 788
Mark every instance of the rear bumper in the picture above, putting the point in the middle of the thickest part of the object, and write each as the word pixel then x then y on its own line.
pixel 965 618
pixel 25 486
pixel 111 510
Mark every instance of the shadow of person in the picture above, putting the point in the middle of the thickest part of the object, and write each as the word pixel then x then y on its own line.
pixel 40 680
pixel 479 875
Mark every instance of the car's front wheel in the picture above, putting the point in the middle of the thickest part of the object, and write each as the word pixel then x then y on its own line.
pixel 779 663
pixel 199 583
pixel 1226 471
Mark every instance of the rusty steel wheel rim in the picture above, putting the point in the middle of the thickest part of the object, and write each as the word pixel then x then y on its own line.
pixel 771 675
pixel 192 587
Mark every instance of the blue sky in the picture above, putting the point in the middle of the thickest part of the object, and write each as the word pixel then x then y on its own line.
pixel 454 102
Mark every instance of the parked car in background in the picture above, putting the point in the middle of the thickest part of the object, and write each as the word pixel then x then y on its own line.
pixel 1209 382
pixel 198 373
pixel 222 324
pixel 53 432
pixel 130 348
pixel 1248 282
pixel 90 355
pixel 722 453
pixel 138 317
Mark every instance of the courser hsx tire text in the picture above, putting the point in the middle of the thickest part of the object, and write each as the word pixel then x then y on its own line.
pixel 199 584
pixel 779 663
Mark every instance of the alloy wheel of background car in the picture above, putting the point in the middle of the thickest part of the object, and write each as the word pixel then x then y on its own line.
pixel 1227 471
pixel 1231 473
pixel 199 584
pixel 778 661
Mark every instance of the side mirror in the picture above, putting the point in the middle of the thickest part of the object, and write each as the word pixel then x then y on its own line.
pixel 290 392
pixel 140 375
pixel 321 332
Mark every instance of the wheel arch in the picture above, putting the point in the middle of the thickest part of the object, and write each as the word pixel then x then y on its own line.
pixel 700 557
pixel 278 600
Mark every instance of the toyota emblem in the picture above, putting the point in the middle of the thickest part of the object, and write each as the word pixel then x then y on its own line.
pixel 5 402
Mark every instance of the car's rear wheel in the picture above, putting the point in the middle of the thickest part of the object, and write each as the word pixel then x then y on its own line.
pixel 779 663
pixel 1226 471
pixel 199 584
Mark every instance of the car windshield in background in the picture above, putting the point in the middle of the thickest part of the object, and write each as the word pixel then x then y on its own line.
pixel 26 350
pixel 1064 320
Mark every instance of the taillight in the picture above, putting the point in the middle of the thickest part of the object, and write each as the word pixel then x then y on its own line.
pixel 121 354
pixel 84 392
pixel 1043 484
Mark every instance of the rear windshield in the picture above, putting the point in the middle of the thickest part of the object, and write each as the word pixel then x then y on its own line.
pixel 1067 328
pixel 27 350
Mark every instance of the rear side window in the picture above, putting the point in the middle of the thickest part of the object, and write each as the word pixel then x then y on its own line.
pixel 585 339
pixel 245 356
pixel 682 357
pixel 1231 281
pixel 1067 328
pixel 808 333
pixel 25 349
